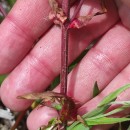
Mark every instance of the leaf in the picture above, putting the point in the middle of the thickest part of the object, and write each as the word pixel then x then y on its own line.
pixel 55 83
pixel 11 2
pixel 105 120
pixel 95 112
pixel 51 124
pixel 48 95
pixel 112 96
pixel 96 90
pixel 124 103
pixel 56 13
pixel 36 103
pixel 128 128
pixel 2 77
pixel 98 113
pixel 83 20
pixel 80 21
pixel 109 113
pixel 78 127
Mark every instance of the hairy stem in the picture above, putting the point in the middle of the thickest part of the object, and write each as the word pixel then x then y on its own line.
pixel 64 47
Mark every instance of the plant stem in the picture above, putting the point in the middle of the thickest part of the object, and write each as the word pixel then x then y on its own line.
pixel 2 10
pixel 64 47
pixel 77 9
pixel 19 119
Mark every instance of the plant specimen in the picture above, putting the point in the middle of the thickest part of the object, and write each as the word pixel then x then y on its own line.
pixel 66 106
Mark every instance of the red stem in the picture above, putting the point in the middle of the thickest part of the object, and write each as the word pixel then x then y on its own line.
pixel 64 47
pixel 19 119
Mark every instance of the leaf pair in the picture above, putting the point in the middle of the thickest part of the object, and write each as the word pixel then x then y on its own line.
pixel 56 13
pixel 63 104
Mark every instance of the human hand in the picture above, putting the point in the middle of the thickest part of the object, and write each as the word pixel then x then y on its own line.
pixel 33 69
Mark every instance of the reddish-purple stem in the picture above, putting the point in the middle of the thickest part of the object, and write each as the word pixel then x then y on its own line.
pixel 77 10
pixel 64 41
pixel 64 47
pixel 2 10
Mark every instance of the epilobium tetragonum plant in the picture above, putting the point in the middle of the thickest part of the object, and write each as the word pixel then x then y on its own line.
pixel 66 106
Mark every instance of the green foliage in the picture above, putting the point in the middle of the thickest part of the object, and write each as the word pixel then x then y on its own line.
pixel 51 124
pixel 104 120
pixel 98 115
pixel 55 82
pixel 128 128
pixel 11 2
pixel 111 97
pixel 2 77
pixel 96 90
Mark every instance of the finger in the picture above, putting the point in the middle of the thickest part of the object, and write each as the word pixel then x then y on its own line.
pixel 126 2
pixel 120 80
pixel 26 22
pixel 40 67
pixel 35 121
pixel 100 64
pixel 124 8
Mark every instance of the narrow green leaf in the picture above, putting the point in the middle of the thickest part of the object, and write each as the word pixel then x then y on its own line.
pixel 124 103
pixel 128 128
pixel 109 113
pixel 105 120
pixel 97 116
pixel 11 2
pixel 76 123
pixel 78 127
pixel 112 96
pixel 96 90
pixel 55 82
pixel 93 113
pixel 96 112
pixel 2 77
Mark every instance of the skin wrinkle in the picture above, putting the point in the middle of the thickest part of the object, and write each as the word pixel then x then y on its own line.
pixel 123 8
pixel 19 15
pixel 99 31
pixel 41 66
pixel 23 31
pixel 11 46
pixel 103 62
pixel 36 27
pixel 119 80
pixel 78 77
pixel 98 128
pixel 106 90
pixel 43 50
pixel 39 82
